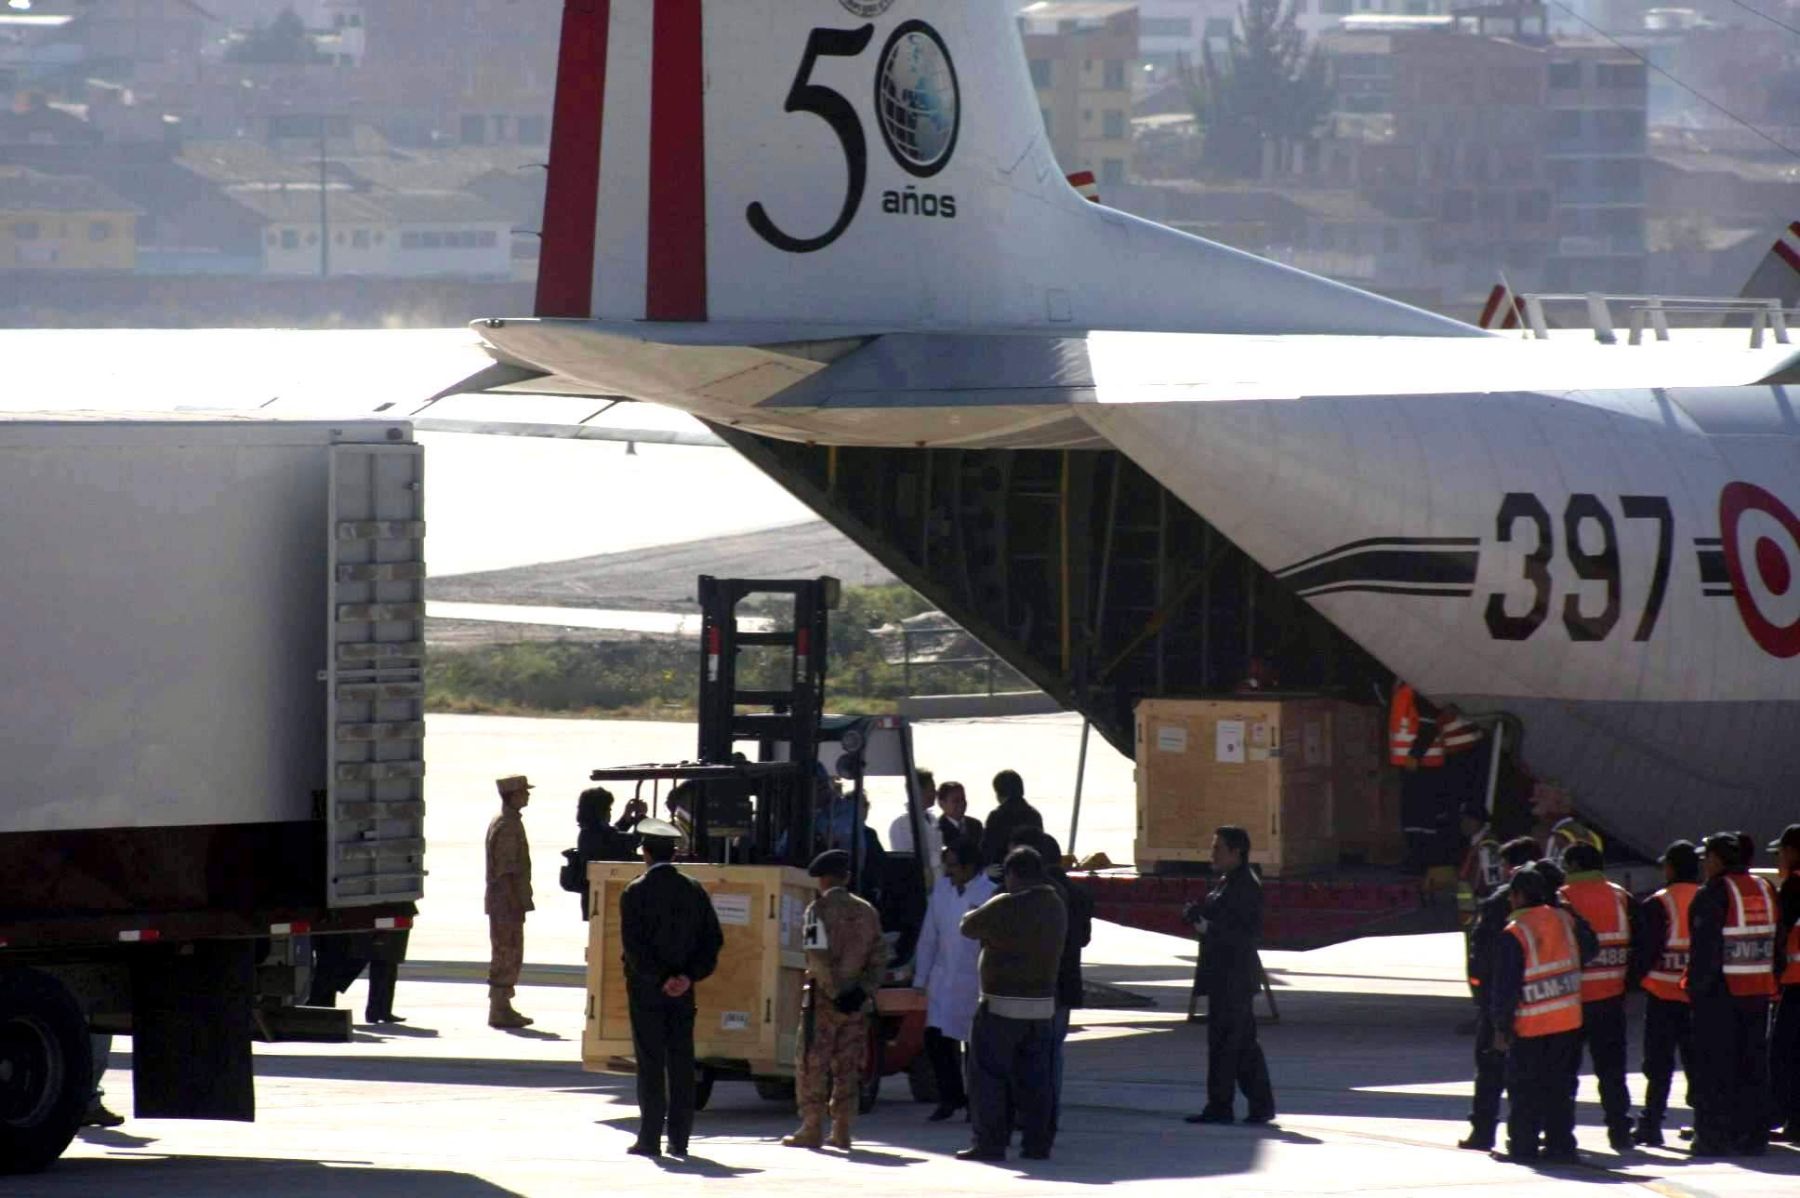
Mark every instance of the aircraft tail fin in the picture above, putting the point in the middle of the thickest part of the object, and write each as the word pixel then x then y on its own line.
pixel 874 164
pixel 1777 276
pixel 1504 308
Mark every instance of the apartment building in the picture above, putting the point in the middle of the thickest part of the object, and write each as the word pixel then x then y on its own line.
pixel 1084 62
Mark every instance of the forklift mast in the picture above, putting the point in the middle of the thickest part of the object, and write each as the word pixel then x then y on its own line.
pixel 786 714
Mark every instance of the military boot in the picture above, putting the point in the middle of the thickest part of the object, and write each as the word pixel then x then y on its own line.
pixel 810 1135
pixel 842 1108
pixel 502 1015
pixel 840 1134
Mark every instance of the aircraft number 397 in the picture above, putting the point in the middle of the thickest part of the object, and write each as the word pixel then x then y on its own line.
pixel 1755 561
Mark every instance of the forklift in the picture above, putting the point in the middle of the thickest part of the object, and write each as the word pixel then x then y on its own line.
pixel 775 781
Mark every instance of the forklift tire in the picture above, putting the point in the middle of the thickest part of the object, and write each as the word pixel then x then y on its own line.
pixel 704 1079
pixel 46 1070
pixel 921 1079
pixel 775 1089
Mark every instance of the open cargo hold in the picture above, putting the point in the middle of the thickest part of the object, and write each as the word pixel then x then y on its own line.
pixel 749 1010
pixel 211 676
pixel 1301 774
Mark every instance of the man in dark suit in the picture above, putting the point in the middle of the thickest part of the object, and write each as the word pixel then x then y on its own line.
pixel 956 825
pixel 1230 925
pixel 672 939
pixel 1010 813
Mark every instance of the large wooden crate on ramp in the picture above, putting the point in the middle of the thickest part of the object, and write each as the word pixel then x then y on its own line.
pixel 749 1010
pixel 1300 774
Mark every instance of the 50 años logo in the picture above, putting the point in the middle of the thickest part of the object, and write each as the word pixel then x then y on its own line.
pixel 918 108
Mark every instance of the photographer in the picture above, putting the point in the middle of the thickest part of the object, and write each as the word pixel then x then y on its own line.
pixel 599 839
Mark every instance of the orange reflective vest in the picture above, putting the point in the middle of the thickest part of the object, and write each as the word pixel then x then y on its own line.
pixel 1455 736
pixel 1550 1001
pixel 1791 975
pixel 1664 979
pixel 1750 937
pixel 1607 908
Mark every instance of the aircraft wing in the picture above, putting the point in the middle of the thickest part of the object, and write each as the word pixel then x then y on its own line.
pixel 441 380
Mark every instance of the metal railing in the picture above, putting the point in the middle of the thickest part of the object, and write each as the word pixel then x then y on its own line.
pixel 1766 317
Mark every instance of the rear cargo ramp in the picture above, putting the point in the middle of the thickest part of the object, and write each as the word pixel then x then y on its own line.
pixel 1076 568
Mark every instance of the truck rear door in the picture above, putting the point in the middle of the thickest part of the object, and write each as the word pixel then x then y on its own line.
pixel 375 676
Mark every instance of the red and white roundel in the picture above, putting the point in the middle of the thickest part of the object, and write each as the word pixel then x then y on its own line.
pixel 1762 553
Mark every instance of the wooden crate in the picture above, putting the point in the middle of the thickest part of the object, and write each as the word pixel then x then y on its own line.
pixel 749 1009
pixel 1286 769
pixel 1367 806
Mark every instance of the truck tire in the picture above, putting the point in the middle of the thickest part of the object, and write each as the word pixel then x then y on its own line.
pixel 46 1069
pixel 870 1090
pixel 775 1089
pixel 704 1079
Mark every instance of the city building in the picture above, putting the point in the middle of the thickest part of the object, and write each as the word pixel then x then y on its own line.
pixel 388 235
pixel 63 223
pixel 1597 153
pixel 1526 153
pixel 1084 63
pixel 141 42
pixel 460 72
pixel 1176 32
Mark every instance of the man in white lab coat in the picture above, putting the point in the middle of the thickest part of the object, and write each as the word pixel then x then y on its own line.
pixel 946 967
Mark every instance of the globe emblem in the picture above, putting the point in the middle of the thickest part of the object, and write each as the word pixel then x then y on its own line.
pixel 917 99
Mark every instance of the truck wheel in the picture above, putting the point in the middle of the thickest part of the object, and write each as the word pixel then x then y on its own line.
pixel 775 1089
pixel 870 1090
pixel 921 1079
pixel 46 1069
pixel 703 1086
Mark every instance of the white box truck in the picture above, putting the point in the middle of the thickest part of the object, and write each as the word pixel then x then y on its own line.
pixel 211 742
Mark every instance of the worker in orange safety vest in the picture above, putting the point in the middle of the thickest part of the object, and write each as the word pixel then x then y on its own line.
pixel 1661 942
pixel 1537 1013
pixel 1784 1041
pixel 1607 909
pixel 1483 949
pixel 1731 978
pixel 1432 744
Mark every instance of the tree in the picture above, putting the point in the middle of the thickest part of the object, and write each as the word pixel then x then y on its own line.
pixel 283 40
pixel 1269 89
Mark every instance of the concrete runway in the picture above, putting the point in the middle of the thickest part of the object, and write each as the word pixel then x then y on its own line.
pixel 1370 1075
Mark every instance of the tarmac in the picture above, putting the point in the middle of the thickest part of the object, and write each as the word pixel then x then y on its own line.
pixel 1370 1073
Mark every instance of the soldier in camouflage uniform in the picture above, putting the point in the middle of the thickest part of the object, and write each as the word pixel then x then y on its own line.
pixel 845 959
pixel 508 899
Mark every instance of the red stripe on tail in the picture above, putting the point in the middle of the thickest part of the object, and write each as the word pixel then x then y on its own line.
pixel 677 280
pixel 1787 253
pixel 1492 308
pixel 565 284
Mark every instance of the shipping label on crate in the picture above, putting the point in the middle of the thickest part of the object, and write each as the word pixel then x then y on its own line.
pixel 1261 737
pixel 1171 738
pixel 733 910
pixel 792 912
pixel 1228 746
pixel 734 1021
